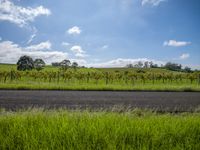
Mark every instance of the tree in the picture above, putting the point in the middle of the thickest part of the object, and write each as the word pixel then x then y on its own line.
pixel 187 69
pixel 129 65
pixel 173 66
pixel 39 64
pixel 146 64
pixel 139 64
pixel 65 64
pixel 151 64
pixel 25 63
pixel 74 65
pixel 55 64
pixel 155 66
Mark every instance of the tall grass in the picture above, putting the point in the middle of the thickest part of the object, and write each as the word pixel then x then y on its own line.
pixel 62 129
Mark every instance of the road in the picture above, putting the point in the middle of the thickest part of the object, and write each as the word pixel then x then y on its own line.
pixel 163 101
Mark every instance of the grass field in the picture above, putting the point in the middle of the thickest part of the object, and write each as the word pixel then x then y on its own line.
pixel 77 79
pixel 62 129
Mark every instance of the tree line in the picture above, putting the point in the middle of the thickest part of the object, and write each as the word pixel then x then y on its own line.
pixel 27 63
pixel 169 66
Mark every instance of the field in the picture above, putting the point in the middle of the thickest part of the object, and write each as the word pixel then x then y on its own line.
pixel 101 119
pixel 99 75
pixel 53 78
pixel 62 129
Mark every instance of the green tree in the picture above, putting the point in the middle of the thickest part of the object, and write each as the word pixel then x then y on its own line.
pixel 187 69
pixel 146 64
pixel 39 64
pixel 25 63
pixel 173 66
pixel 65 64
pixel 139 64
pixel 129 65
pixel 74 65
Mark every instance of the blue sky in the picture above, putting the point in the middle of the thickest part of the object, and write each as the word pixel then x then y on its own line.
pixel 101 33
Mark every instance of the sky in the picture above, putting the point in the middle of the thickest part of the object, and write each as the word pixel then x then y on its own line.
pixel 101 33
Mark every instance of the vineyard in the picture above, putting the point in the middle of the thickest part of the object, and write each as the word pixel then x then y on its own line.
pixel 90 78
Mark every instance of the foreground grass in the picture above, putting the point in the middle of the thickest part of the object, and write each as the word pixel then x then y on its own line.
pixel 62 129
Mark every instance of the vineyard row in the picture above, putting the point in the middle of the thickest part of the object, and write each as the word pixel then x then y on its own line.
pixel 96 76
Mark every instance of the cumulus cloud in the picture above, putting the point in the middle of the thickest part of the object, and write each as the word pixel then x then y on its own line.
pixel 81 55
pixel 41 46
pixel 80 61
pixel 184 56
pixel 74 30
pixel 152 2
pixel 175 43
pixel 121 62
pixel 78 51
pixel 10 53
pixel 20 15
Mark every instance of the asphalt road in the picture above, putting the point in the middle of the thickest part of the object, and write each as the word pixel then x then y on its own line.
pixel 164 101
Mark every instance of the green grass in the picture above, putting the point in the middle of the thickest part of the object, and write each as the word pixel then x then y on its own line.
pixel 6 67
pixel 100 87
pixel 62 129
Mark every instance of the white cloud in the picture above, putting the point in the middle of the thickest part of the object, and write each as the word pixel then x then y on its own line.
pixel 65 44
pixel 121 62
pixel 81 55
pixel 77 49
pixel 80 61
pixel 193 66
pixel 184 56
pixel 0 38
pixel 20 15
pixel 175 43
pixel 10 53
pixel 41 46
pixel 74 30
pixel 152 2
